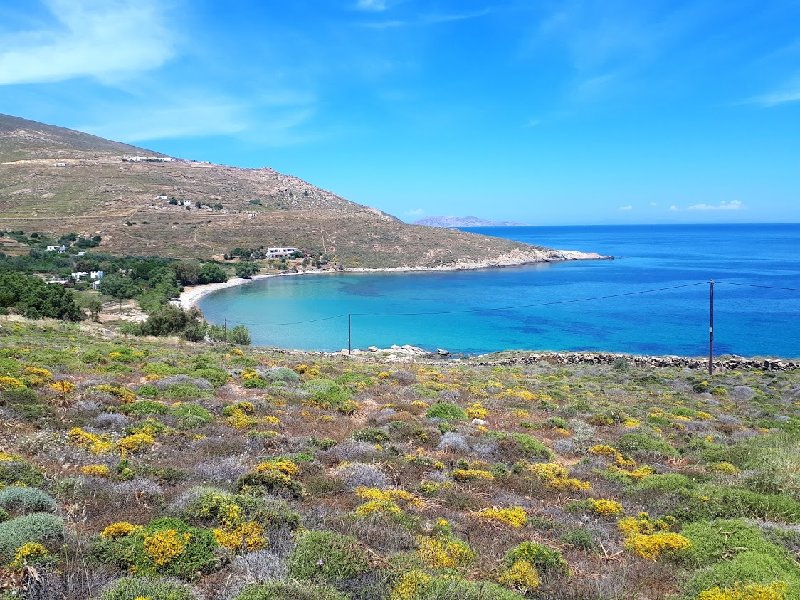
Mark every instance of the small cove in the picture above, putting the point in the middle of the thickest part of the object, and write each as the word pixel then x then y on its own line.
pixel 560 306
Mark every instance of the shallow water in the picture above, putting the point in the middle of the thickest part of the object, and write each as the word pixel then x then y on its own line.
pixel 561 306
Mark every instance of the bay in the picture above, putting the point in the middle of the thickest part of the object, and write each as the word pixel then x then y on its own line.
pixel 653 298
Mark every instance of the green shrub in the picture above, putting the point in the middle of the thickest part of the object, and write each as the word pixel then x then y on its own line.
pixel 579 538
pixel 329 394
pixel 444 587
pixel 446 411
pixel 271 482
pixel 544 558
pixel 327 556
pixel 27 403
pixel 217 377
pixel 530 446
pixel 282 374
pixel 135 588
pixel 184 391
pixel 142 550
pixel 372 435
pixel 35 527
pixel 20 472
pixel 189 415
pixel 23 500
pixel 209 505
pixel 645 445
pixel 733 552
pixel 147 391
pixel 289 590
pixel 3 515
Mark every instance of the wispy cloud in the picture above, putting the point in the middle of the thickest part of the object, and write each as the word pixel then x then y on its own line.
pixel 626 208
pixel 787 94
pixel 732 205
pixel 91 38
pixel 415 212
pixel 428 19
pixel 371 5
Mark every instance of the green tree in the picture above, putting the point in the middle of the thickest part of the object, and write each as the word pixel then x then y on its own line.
pixel 247 269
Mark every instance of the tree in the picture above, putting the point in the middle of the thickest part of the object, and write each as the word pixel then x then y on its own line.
pixel 94 306
pixel 212 273
pixel 247 269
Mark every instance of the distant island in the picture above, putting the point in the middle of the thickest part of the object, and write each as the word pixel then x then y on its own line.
pixel 465 222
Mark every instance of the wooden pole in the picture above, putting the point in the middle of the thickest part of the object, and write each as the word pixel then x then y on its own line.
pixel 349 333
pixel 711 327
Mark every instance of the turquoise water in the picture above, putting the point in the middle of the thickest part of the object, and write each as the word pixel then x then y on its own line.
pixel 552 307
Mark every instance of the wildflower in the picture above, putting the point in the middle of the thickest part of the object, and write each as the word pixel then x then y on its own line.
pixel 246 536
pixel 10 383
pixel 282 465
pixel 751 591
pixel 411 585
pixel 136 442
pixel 513 517
pixel 62 387
pixel 605 508
pixel 556 476
pixel 650 538
pixel 28 553
pixel 472 474
pixel 94 443
pixel 96 470
pixel 166 545
pixel 119 529
pixel 522 576
pixel 444 552
pixel 476 410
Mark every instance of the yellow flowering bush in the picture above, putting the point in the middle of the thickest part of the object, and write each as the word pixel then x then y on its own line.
pixel 476 410
pixel 94 443
pixel 96 470
pixel 135 442
pixel 27 554
pixel 246 536
pixel 411 585
pixel 556 476
pixel 444 552
pixel 513 517
pixel 472 475
pixel 10 383
pixel 725 468
pixel 518 393
pixel 119 529
pixel 282 465
pixel 750 591
pixel 62 387
pixel 637 473
pixel 165 545
pixel 651 538
pixel 611 452
pixel 37 376
pixel 605 508
pixel 125 395
pixel 521 576
pixel 239 415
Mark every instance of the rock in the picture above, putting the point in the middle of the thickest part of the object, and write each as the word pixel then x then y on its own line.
pixel 373 348
pixel 478 422
pixel 442 352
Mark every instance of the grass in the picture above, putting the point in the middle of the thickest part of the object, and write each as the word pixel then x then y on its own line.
pixel 237 484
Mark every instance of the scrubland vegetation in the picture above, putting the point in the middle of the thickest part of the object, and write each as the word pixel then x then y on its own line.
pixel 134 468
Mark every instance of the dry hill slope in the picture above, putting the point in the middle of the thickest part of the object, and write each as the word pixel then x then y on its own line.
pixel 56 180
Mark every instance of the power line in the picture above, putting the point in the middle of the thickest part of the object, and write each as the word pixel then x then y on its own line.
pixel 766 287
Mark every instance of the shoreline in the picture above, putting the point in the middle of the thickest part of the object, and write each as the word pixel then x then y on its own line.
pixel 190 296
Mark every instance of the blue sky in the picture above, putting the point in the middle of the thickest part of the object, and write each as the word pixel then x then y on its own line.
pixel 562 112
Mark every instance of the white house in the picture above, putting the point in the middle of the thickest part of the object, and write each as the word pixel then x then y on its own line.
pixel 162 197
pixel 187 203
pixel 60 249
pixel 280 252
pixel 96 274
pixel 78 275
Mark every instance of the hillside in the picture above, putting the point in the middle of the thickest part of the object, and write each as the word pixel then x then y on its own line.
pixel 140 468
pixel 55 180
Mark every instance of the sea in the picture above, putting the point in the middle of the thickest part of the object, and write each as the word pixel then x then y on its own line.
pixel 654 297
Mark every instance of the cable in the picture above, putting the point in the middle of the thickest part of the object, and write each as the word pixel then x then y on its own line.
pixel 766 287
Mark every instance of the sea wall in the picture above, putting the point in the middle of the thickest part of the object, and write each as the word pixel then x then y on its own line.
pixel 599 358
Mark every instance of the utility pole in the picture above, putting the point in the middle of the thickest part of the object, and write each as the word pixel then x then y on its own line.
pixel 225 329
pixel 711 327
pixel 349 333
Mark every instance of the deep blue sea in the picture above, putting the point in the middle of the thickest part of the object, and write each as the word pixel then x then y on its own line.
pixel 562 306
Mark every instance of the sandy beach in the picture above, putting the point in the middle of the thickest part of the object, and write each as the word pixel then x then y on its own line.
pixel 192 295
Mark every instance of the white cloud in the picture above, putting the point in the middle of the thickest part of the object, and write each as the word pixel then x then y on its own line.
pixel 674 208
pixel 415 212
pixel 732 205
pixel 92 38
pixel 626 207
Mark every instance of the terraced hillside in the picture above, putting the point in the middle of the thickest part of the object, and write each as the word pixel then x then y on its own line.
pixel 56 180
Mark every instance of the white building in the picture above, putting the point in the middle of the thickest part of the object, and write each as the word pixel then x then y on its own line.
pixel 78 275
pixel 280 252
pixel 59 249
pixel 96 274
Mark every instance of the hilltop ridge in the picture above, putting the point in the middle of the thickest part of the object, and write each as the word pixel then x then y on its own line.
pixel 57 180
